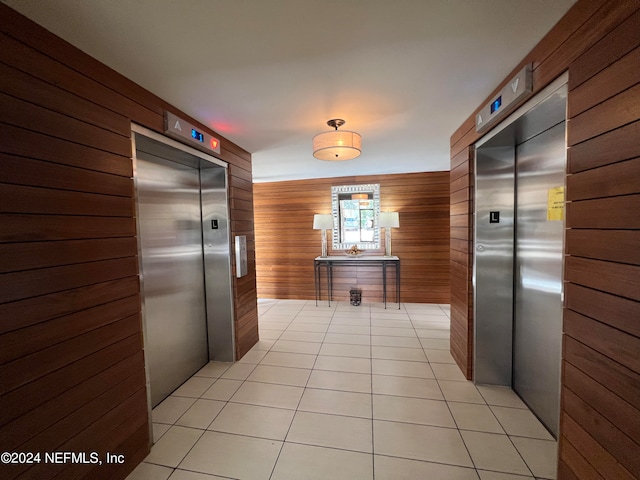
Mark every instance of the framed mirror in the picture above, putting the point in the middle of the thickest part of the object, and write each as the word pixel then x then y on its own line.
pixel 355 210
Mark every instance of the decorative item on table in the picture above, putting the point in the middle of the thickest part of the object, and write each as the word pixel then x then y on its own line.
pixel 353 251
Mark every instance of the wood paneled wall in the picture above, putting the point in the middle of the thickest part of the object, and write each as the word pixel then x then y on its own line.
pixel 287 244
pixel 599 44
pixel 461 209
pixel 71 362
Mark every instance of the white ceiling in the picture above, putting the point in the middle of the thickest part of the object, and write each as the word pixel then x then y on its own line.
pixel 268 74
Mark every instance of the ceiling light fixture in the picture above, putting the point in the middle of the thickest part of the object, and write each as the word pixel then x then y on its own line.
pixel 337 145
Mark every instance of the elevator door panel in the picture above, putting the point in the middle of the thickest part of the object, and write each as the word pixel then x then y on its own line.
pixel 540 166
pixel 170 230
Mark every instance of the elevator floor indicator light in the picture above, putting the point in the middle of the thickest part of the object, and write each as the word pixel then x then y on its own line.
pixel 496 104
pixel 517 89
pixel 197 135
pixel 188 133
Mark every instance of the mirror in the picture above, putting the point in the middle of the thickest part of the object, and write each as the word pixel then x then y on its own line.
pixel 355 210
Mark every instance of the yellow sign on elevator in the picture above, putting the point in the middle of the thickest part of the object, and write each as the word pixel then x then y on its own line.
pixel 555 204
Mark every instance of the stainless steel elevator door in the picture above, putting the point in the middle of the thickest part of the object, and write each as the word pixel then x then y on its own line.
pixel 537 336
pixel 171 264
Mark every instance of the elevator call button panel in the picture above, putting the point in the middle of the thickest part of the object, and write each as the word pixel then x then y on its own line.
pixel 182 130
pixel 241 256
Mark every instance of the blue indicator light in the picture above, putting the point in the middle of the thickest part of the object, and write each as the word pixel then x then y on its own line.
pixel 197 135
pixel 497 103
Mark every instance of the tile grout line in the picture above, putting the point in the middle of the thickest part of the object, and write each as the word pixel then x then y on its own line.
pixel 373 441
pixel 284 440
pixel 306 388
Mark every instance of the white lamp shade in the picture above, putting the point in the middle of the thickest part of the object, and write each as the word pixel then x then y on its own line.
pixel 322 222
pixel 337 145
pixel 389 220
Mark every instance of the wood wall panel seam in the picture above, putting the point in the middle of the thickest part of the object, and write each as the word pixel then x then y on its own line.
pixel 611 147
pixel 40 146
pixel 39 39
pixel 609 49
pixel 24 313
pixel 82 426
pixel 621 246
pixel 64 252
pixel 30 340
pixel 621 414
pixel 617 344
pixel 615 79
pixel 42 66
pixel 33 117
pixel 33 90
pixel 19 430
pixel 621 178
pixel 21 199
pixel 32 394
pixel 38 173
pixel 615 213
pixel 599 458
pixel 610 277
pixel 28 369
pixel 624 449
pixel 608 18
pixel 578 463
pixel 619 379
pixel 33 283
pixel 24 228
pixel 618 111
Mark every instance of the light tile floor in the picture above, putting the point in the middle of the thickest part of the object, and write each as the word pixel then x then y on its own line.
pixel 345 392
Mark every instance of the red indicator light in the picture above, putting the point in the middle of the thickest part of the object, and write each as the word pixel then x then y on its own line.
pixel 214 143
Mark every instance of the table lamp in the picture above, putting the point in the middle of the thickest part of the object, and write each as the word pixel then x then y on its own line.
pixel 323 223
pixel 388 220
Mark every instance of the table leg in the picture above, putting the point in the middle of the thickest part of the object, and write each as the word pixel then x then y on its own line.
pixel 329 283
pixel 398 284
pixel 316 280
pixel 384 284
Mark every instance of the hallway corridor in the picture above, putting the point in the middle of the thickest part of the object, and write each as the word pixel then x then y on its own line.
pixel 345 392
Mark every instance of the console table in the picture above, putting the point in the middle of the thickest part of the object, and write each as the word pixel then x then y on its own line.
pixel 329 263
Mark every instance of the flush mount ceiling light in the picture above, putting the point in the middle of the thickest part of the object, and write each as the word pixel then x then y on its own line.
pixel 337 145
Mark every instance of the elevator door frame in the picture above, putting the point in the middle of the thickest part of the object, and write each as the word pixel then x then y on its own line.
pixel 494 321
pixel 218 294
